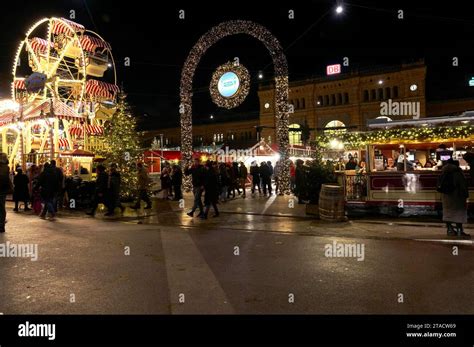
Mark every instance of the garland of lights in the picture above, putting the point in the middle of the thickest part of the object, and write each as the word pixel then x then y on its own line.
pixel 215 34
pixel 360 139
pixel 241 93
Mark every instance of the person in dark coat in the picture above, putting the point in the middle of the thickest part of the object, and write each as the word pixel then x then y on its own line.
pixel 300 181
pixel 211 188
pixel 197 173
pixel 351 164
pixel 243 173
pixel 224 182
pixel 236 178
pixel 59 197
pixel 454 189
pixel 113 191
pixel 49 186
pixel 5 188
pixel 255 173
pixel 177 181
pixel 265 175
pixel 100 189
pixel 20 190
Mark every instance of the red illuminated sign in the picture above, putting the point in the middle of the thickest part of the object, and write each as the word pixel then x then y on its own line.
pixel 333 69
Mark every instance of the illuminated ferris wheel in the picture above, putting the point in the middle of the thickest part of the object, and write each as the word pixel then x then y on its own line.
pixel 62 61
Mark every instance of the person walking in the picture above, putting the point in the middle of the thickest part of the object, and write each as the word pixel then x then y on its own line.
pixel 49 185
pixel 255 173
pixel 165 179
pixel 113 190
pixel 453 186
pixel 177 182
pixel 20 190
pixel 100 191
pixel 270 167
pixel 211 188
pixel 243 173
pixel 6 188
pixel 143 183
pixel 59 196
pixel 266 178
pixel 224 181
pixel 197 173
pixel 236 178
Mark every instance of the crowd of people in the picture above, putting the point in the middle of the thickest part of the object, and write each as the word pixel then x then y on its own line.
pixel 219 182
pixel 44 189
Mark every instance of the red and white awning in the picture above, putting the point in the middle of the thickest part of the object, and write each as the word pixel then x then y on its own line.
pixel 99 89
pixel 90 43
pixel 59 26
pixel 19 84
pixel 39 45
pixel 7 117
pixel 91 130
pixel 60 110
pixel 63 143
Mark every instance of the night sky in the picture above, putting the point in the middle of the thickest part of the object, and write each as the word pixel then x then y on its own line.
pixel 157 42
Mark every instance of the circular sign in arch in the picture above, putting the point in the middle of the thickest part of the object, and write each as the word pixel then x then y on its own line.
pixel 230 85
pixel 229 28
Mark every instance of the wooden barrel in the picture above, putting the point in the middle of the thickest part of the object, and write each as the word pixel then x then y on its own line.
pixel 331 203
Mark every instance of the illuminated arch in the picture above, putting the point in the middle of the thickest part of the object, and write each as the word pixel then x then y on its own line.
pixel 215 34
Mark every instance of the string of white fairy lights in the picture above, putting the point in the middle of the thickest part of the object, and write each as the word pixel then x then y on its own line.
pixel 215 34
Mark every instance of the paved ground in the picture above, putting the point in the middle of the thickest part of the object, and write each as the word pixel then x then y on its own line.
pixel 252 259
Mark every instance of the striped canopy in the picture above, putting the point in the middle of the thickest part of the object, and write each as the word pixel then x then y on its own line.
pixel 60 110
pixel 90 43
pixel 91 130
pixel 99 89
pixel 39 45
pixel 59 27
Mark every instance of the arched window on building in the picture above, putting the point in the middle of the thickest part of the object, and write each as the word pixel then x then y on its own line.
pixel 335 124
pixel 295 136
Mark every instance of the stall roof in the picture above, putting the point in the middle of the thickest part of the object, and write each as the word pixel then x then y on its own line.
pixel 384 123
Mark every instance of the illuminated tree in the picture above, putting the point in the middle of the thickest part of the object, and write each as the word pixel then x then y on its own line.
pixel 122 143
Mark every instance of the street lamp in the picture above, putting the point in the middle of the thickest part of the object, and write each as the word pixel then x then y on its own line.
pixel 339 9
pixel 260 75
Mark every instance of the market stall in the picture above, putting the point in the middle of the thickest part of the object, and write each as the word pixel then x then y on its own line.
pixel 403 162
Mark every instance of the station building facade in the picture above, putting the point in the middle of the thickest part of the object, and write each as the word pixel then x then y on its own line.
pixel 348 101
